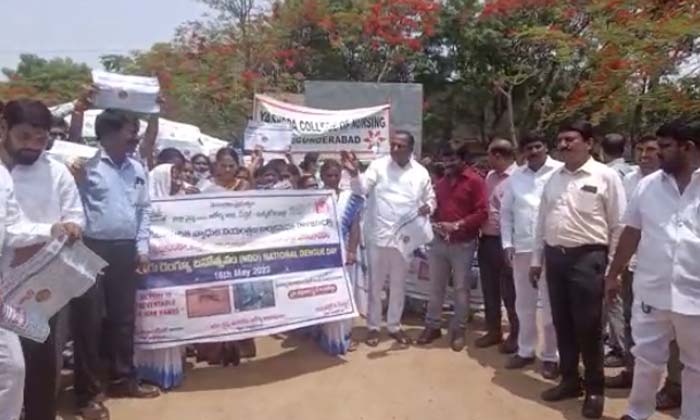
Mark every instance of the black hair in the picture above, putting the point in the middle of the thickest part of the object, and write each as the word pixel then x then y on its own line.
pixel 330 164
pixel 310 158
pixel 27 111
pixel 613 144
pixel 647 138
pixel 279 164
pixel 112 121
pixel 461 152
pixel 169 155
pixel 583 127
pixel 293 169
pixel 57 121
pixel 227 151
pixel 532 137
pixel 681 130
pixel 408 135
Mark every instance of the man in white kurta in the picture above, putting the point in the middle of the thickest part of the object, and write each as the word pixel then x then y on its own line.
pixel 519 207
pixel 662 224
pixel 395 186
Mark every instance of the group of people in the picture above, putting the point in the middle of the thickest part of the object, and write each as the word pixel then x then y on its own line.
pixel 105 201
pixel 551 234
pixel 559 234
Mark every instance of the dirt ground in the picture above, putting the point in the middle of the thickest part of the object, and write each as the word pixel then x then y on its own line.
pixel 292 379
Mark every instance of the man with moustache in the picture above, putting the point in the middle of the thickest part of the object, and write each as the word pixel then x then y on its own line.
pixel 521 201
pixel 47 194
pixel 396 185
pixel 647 156
pixel 461 210
pixel 21 120
pixel 577 228
pixel 662 225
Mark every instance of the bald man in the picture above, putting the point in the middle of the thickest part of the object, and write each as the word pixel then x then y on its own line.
pixel 496 275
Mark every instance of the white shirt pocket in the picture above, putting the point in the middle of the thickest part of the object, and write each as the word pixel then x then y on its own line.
pixel 584 200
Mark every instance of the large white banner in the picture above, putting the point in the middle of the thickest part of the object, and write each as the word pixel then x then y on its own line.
pixel 240 265
pixel 364 131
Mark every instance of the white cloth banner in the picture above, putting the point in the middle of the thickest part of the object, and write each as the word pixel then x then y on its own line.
pixel 133 93
pixel 364 131
pixel 240 265
pixel 35 290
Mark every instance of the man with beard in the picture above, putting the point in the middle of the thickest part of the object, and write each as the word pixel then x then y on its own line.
pixel 647 155
pixel 577 227
pixel 662 225
pixel 46 193
pixel 461 210
pixel 521 201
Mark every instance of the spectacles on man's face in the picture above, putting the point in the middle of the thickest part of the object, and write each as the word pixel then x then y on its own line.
pixel 58 135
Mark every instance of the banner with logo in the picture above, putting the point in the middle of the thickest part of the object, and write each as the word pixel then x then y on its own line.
pixel 364 131
pixel 240 265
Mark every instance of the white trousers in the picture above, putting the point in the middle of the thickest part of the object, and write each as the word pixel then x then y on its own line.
pixel 526 298
pixel 11 376
pixel 386 263
pixel 653 330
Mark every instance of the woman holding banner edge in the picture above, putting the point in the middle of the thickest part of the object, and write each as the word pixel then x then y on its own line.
pixel 335 337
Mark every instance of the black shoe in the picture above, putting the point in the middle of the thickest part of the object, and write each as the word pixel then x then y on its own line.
pixel 509 346
pixel 428 336
pixel 93 411
pixel 550 370
pixel 563 391
pixel 669 397
pixel 626 417
pixel 372 339
pixel 614 359
pixel 401 338
pixel 593 407
pixel 623 380
pixel 488 340
pixel 132 389
pixel 458 341
pixel 518 362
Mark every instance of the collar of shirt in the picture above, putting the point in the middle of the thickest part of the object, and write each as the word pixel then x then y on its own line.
pixel 616 162
pixel 588 167
pixel 549 164
pixel 103 156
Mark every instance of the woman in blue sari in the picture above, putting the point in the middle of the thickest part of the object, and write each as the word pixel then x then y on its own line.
pixel 335 337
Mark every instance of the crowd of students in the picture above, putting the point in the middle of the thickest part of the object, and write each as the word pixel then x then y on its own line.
pixel 556 232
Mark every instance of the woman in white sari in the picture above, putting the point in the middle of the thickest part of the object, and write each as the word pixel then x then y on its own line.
pixel 163 367
pixel 335 337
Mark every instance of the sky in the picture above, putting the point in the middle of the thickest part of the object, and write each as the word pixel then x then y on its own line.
pixel 86 29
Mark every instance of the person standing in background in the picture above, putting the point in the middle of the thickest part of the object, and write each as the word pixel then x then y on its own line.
pixel 461 210
pixel 578 224
pixel 396 185
pixel 647 155
pixel 496 276
pixel 521 201
pixel 613 147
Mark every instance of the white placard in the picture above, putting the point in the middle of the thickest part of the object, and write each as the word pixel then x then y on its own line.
pixel 268 137
pixel 132 93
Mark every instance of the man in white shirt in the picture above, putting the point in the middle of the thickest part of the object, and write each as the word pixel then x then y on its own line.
pixel 395 186
pixel 647 156
pixel 46 193
pixel 577 227
pixel 496 277
pixel 521 200
pixel 15 232
pixel 662 225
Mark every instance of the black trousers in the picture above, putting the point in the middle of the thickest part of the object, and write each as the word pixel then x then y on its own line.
pixel 112 298
pixel 627 295
pixel 43 363
pixel 496 284
pixel 575 277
